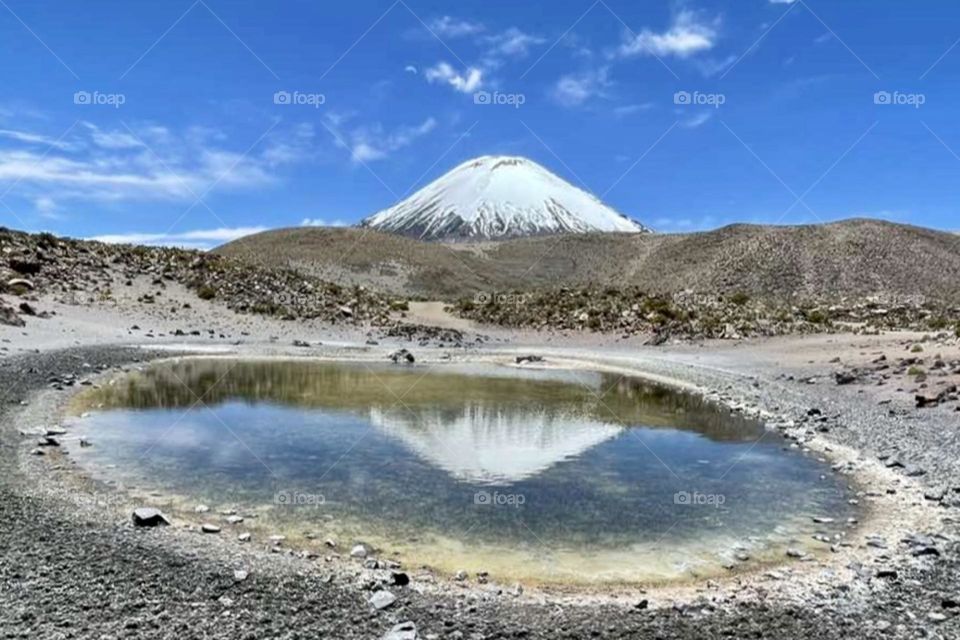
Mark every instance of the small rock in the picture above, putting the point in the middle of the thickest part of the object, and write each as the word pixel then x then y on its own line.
pixel 244 537
pixel 400 578
pixel 403 631
pixel 149 517
pixel 207 527
pixel 240 575
pixel 382 599
pixel 359 551
pixel 402 355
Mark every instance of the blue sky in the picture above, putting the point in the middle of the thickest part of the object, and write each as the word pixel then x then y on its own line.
pixel 193 121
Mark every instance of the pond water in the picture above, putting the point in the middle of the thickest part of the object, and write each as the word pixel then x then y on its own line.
pixel 531 474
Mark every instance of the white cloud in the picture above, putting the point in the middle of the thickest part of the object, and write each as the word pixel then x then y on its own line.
pixel 410 69
pixel 148 163
pixel 317 222
pixel 630 109
pixel 468 82
pixel 782 1
pixel 687 36
pixel 373 142
pixel 196 239
pixel 574 89
pixel 513 43
pixel 112 139
pixel 450 27
pixel 712 66
pixel 46 208
pixel 697 120
pixel 33 138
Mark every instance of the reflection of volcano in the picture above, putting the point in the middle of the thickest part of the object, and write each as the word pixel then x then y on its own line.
pixel 492 445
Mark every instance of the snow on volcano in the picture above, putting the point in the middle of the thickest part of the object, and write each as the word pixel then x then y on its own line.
pixel 493 197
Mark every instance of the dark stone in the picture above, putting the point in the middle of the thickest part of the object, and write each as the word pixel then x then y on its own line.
pixel 149 517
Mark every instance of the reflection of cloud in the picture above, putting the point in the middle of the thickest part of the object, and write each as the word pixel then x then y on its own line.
pixel 491 445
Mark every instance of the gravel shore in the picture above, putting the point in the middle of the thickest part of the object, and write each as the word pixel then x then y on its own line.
pixel 84 572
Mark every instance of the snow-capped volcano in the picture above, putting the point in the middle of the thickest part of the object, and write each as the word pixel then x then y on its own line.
pixel 494 197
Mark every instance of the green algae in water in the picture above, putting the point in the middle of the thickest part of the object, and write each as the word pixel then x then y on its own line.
pixel 533 474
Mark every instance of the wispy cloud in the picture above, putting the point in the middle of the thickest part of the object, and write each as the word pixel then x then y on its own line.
pixel 574 89
pixel 631 109
pixel 697 120
pixel 493 50
pixel 33 138
pixel 467 82
pixel 513 43
pixel 318 222
pixel 196 239
pixel 450 27
pixel 689 34
pixel 147 162
pixel 367 143
pixel 112 139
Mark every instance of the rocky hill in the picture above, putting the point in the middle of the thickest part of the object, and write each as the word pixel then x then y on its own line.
pixel 77 270
pixel 843 260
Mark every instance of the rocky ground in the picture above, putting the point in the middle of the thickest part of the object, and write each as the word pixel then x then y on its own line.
pixel 78 271
pixel 84 571
pixel 630 311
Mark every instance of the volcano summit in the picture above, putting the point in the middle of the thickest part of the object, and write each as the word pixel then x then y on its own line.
pixel 495 197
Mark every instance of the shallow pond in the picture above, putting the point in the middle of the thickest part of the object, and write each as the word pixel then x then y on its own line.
pixel 540 475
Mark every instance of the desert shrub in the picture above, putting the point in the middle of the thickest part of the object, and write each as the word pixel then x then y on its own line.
pixel 816 316
pixel 740 298
pixel 206 292
pixel 916 349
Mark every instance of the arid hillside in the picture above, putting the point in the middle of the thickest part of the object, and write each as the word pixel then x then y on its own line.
pixel 848 259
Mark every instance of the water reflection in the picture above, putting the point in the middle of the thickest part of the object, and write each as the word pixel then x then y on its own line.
pixel 565 474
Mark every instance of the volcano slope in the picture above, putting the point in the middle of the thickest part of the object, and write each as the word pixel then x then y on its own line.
pixel 853 259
